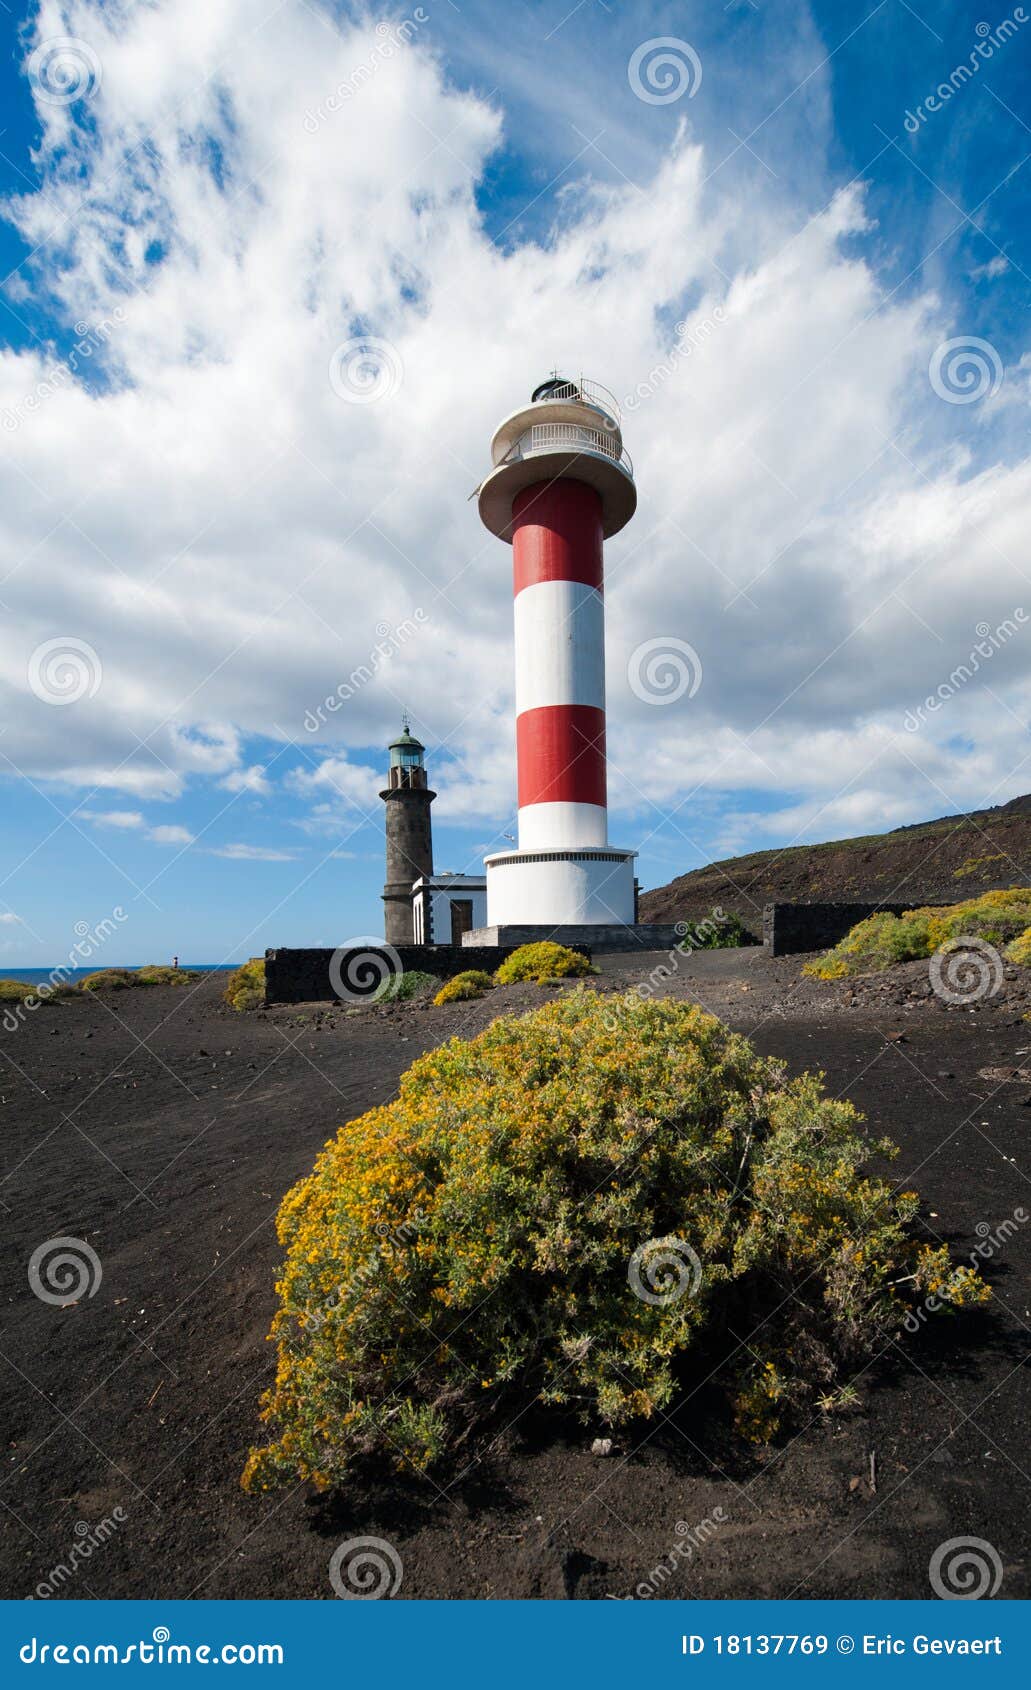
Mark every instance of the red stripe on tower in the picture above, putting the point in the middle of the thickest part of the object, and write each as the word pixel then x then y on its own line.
pixel 557 534
pixel 561 755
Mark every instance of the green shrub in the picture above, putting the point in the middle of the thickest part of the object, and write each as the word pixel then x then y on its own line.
pixel 21 991
pixel 471 983
pixel 245 988
pixel 163 974
pixel 413 983
pixel 542 961
pixel 1019 949
pixel 715 933
pixel 107 980
pixel 577 1207
pixel 883 939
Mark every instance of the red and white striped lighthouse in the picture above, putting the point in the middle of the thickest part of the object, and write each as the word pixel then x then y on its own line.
pixel 561 484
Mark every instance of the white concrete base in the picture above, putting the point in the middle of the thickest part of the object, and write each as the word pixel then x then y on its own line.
pixel 579 886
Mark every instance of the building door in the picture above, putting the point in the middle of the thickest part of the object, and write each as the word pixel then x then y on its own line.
pixel 461 918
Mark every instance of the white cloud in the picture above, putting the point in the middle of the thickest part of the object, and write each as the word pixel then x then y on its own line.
pixel 171 835
pixel 113 818
pixel 242 534
pixel 253 854
pixel 9 919
pixel 252 779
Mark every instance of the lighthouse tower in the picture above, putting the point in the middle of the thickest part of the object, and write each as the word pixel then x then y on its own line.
pixel 409 834
pixel 561 484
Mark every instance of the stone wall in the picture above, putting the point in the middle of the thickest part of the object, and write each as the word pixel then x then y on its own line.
pixel 791 928
pixel 304 976
pixel 657 936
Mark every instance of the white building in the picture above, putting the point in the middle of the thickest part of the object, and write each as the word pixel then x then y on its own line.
pixel 444 906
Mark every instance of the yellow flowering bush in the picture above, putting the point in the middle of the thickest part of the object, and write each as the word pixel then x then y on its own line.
pixel 245 988
pixel 542 961
pixel 1019 949
pixel 580 1206
pixel 471 983
pixel 883 939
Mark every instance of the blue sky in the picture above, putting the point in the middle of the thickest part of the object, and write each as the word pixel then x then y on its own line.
pixel 226 541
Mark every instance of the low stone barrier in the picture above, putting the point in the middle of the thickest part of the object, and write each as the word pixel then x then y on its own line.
pixel 791 928
pixel 357 975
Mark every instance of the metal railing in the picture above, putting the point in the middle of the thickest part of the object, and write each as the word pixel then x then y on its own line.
pixel 586 392
pixel 571 437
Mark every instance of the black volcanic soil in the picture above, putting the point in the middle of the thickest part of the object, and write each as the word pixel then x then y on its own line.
pixel 935 862
pixel 163 1130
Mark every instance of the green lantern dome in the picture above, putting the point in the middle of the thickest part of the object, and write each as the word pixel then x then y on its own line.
pixel 406 751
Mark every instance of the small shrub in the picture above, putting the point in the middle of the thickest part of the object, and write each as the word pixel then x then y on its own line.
pixel 413 983
pixel 542 961
pixel 1019 949
pixel 163 974
pixel 471 983
pixel 524 1190
pixel 22 991
pixel 245 988
pixel 723 933
pixel 107 980
pixel 883 939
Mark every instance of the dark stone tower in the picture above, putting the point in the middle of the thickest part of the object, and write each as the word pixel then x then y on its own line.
pixel 409 835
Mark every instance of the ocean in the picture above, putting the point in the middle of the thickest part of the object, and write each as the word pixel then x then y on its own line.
pixel 36 976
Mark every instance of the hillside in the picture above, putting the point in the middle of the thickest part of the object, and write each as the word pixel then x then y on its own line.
pixel 931 862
